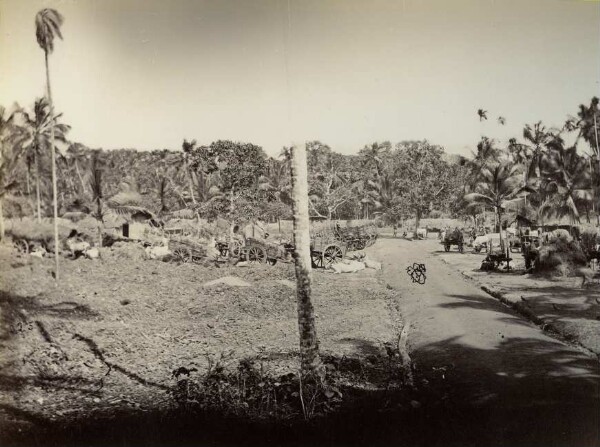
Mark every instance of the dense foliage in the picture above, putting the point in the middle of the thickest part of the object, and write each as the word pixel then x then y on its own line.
pixel 238 181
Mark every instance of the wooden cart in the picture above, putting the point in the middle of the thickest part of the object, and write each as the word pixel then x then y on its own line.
pixel 324 251
pixel 454 238
pixel 186 250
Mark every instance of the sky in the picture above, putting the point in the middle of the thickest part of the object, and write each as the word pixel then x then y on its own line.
pixel 146 74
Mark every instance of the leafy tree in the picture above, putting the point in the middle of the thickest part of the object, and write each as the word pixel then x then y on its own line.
pixel 330 181
pixel 47 26
pixel 423 177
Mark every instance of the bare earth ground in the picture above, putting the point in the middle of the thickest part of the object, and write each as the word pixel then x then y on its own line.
pixel 483 374
pixel 143 319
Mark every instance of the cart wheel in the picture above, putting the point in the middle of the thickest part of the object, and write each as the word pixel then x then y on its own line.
pixel 22 246
pixel 236 249
pixel 256 254
pixel 316 258
pixel 223 249
pixel 447 247
pixel 182 255
pixel 360 244
pixel 332 255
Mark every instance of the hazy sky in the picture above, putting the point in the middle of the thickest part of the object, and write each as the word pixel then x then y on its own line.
pixel 147 73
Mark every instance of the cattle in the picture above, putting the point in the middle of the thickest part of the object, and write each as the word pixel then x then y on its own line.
pixel 92 253
pixel 77 248
pixel 157 252
pixel 421 233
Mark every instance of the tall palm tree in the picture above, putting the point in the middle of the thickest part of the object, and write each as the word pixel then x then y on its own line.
pixel 482 114
pixel 38 127
pixel 487 154
pixel 567 181
pixel 77 154
pixel 10 154
pixel 538 136
pixel 188 148
pixel 47 26
pixel 311 365
pixel 498 185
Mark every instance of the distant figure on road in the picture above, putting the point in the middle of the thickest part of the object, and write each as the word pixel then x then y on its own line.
pixel 395 230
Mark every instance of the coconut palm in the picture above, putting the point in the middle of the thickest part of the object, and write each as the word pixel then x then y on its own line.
pixel 498 185
pixel 382 192
pixel 538 136
pixel 47 26
pixel 188 148
pixel 77 156
pixel 311 366
pixel 482 114
pixel 10 154
pixel 567 181
pixel 375 154
pixel 38 132
pixel 588 123
pixel 501 120
pixel 487 154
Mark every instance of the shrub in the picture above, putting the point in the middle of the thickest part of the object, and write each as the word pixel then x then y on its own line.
pixel 43 232
pixel 589 240
pixel 560 257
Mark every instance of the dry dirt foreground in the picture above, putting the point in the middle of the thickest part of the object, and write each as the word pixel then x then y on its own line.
pixel 506 382
pixel 110 335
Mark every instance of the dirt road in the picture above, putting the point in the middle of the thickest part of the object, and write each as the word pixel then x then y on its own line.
pixel 501 379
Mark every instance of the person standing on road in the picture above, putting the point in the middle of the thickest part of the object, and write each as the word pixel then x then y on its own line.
pixel 395 229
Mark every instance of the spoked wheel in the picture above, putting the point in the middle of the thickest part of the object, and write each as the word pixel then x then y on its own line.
pixel 257 255
pixel 332 255
pixel 182 255
pixel 223 249
pixel 22 246
pixel 236 249
pixel 316 258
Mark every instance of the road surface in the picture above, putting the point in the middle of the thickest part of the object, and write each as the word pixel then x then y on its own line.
pixel 502 380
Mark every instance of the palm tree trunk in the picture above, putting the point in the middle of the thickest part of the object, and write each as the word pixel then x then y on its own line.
pixel 1 220
pixel 311 365
pixel 54 188
pixel 80 177
pixel 37 189
pixel 499 217
pixel 190 182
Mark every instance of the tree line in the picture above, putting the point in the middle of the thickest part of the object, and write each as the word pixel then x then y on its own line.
pixel 238 181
